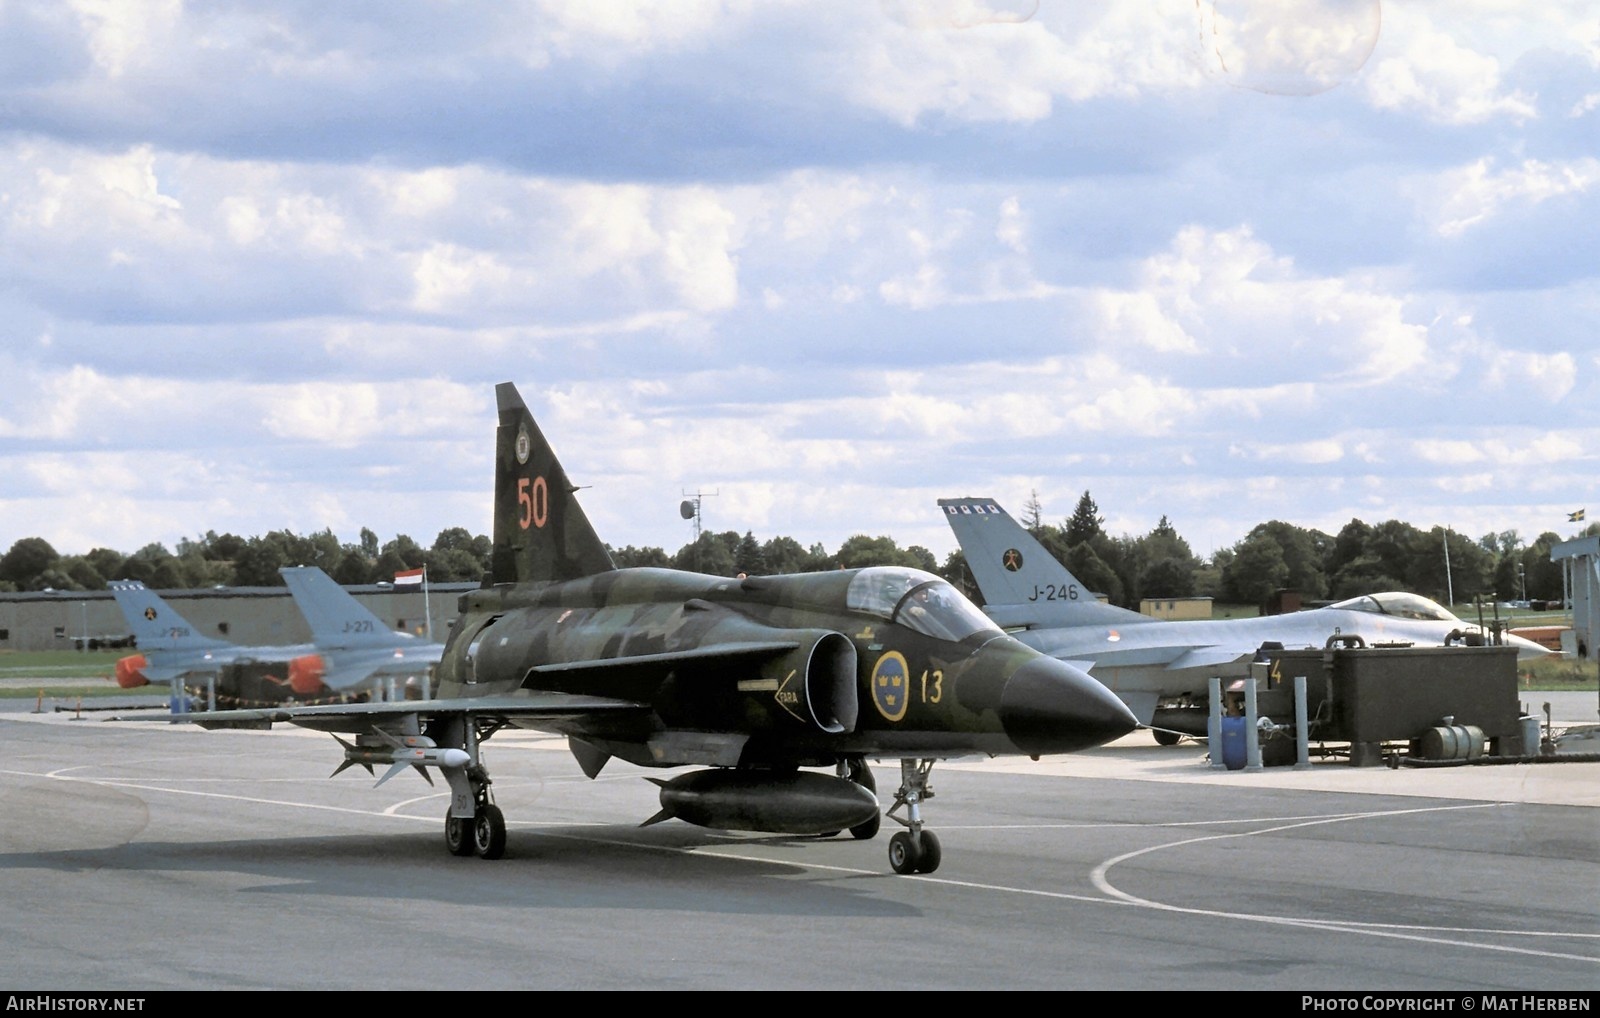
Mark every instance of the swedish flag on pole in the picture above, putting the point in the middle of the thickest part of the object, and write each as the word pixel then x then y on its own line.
pixel 1576 517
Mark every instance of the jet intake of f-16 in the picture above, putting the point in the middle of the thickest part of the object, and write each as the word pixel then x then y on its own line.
pixel 774 802
pixel 130 671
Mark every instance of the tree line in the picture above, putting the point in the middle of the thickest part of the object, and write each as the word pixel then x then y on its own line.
pixel 1361 558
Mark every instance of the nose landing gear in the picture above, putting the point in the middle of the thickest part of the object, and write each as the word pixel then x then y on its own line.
pixel 915 849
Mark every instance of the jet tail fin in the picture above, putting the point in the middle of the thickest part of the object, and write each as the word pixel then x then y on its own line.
pixel 155 625
pixel 1008 562
pixel 336 618
pixel 1018 574
pixel 540 531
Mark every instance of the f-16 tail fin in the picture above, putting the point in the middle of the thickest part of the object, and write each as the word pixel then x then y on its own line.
pixel 155 625
pixel 1022 584
pixel 540 531
pixel 169 647
pixel 336 618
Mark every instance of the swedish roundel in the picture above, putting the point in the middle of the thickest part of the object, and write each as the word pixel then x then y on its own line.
pixel 891 686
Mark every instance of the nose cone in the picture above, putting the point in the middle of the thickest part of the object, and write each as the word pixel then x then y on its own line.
pixel 1051 707
pixel 1527 649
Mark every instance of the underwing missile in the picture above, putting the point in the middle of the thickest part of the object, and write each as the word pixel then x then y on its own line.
pixel 397 754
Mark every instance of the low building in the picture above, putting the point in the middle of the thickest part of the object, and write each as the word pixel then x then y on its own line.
pixel 1176 608
pixel 33 620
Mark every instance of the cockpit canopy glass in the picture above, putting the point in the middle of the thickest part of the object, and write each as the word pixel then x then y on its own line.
pixel 1400 605
pixel 919 601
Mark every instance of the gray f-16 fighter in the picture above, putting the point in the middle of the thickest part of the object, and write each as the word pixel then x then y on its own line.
pixel 354 646
pixel 778 689
pixel 172 650
pixel 350 653
pixel 1162 668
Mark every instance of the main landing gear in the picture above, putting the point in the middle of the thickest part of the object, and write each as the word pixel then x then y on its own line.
pixel 474 825
pixel 913 850
pixel 483 834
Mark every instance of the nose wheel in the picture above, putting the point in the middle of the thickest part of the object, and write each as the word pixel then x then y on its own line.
pixel 914 853
pixel 915 849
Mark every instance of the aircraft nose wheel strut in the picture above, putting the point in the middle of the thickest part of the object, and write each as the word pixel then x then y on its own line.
pixel 913 850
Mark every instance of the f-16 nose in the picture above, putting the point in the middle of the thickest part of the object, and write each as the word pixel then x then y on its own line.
pixel 1527 650
pixel 1049 706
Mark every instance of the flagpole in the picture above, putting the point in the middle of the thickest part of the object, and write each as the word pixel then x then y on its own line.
pixel 427 606
pixel 1450 585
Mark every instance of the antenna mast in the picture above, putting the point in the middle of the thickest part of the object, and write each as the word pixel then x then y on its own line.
pixel 689 509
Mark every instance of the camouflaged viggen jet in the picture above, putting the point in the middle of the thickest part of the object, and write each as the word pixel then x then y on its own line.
pixel 776 689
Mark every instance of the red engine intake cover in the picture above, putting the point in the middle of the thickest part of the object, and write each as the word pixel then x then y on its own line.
pixel 305 674
pixel 130 671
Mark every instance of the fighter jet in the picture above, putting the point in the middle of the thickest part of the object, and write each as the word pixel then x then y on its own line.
pixel 353 645
pixel 1162 668
pixel 351 653
pixel 172 650
pixel 777 689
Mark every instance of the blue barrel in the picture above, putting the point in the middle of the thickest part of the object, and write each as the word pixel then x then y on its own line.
pixel 1234 748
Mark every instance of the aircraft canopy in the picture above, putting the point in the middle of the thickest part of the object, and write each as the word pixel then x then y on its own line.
pixel 918 600
pixel 1400 605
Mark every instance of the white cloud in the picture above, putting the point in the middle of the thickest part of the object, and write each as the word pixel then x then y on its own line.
pixel 344 415
pixel 448 278
pixel 1225 294
pixel 945 246
pixel 1319 451
pixel 1474 194
pixel 999 62
pixel 1449 452
pixel 1012 232
pixel 637 25
pixel 699 236
pixel 1546 377
pixel 1286 47
pixel 1435 75
pixel 122 35
pixel 1139 319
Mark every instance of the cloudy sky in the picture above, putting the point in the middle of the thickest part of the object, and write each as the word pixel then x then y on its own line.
pixel 262 263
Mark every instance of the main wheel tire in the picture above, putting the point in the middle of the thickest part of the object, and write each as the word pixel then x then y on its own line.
pixel 489 832
pixel 932 853
pixel 904 856
pixel 1166 738
pixel 458 835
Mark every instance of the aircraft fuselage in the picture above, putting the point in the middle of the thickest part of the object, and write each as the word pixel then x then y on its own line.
pixel 796 675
